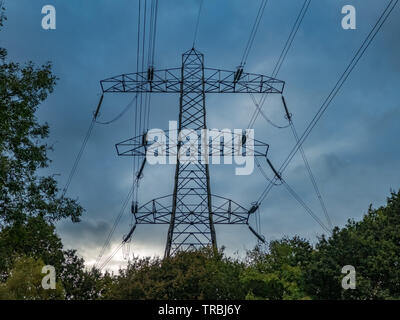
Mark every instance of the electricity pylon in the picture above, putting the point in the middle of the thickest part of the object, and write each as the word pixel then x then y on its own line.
pixel 192 210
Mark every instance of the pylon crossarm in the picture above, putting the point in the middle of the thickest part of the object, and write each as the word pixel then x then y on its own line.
pixel 139 146
pixel 131 147
pixel 156 211
pixel 169 81
pixel 225 211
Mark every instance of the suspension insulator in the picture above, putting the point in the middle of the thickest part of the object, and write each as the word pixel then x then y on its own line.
pixel 238 74
pixel 274 170
pixel 150 74
pixel 144 139
pixel 96 114
pixel 140 172
pixel 259 237
pixel 288 114
pixel 253 209
pixel 244 139
pixel 134 207
pixel 129 235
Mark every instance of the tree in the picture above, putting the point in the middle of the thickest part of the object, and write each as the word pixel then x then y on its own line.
pixel 34 238
pixel 277 271
pixel 371 245
pixel 25 282
pixel 30 204
pixel 82 284
pixel 37 240
pixel 23 193
pixel 186 275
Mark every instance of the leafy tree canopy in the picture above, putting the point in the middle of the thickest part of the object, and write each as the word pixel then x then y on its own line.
pixel 23 151
pixel 30 203
pixel 371 245
pixel 25 282
pixel 187 275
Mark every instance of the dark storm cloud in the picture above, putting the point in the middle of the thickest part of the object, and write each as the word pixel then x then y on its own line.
pixel 353 149
pixel 87 232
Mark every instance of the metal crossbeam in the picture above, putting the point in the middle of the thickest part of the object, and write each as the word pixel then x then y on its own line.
pixel 139 146
pixel 169 81
pixel 225 211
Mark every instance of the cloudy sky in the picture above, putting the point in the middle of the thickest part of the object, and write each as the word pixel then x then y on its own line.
pixel 353 150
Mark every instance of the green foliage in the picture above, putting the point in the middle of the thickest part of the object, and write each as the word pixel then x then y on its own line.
pixel 29 203
pixel 25 282
pixel 82 284
pixel 285 269
pixel 371 245
pixel 187 275
pixel 34 238
pixel 23 151
pixel 277 272
pixel 2 15
pixel 37 240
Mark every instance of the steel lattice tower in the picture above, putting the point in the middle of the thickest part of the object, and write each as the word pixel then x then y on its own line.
pixel 192 210
pixel 191 218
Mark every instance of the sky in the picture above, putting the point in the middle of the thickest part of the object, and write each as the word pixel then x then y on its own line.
pixel 353 151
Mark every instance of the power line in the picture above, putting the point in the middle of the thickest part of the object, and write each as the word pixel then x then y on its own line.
pixel 265 116
pixel 307 164
pixel 116 222
pixel 262 171
pixel 82 149
pixel 280 61
pixel 137 69
pixel 143 62
pixel 253 32
pixel 154 32
pixel 303 204
pixel 142 114
pixel 126 240
pixel 292 35
pixel 278 177
pixel 78 158
pixel 119 116
pixel 312 178
pixel 151 54
pixel 339 84
pixel 276 70
pixel 86 139
pixel 197 23
pixel 111 256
